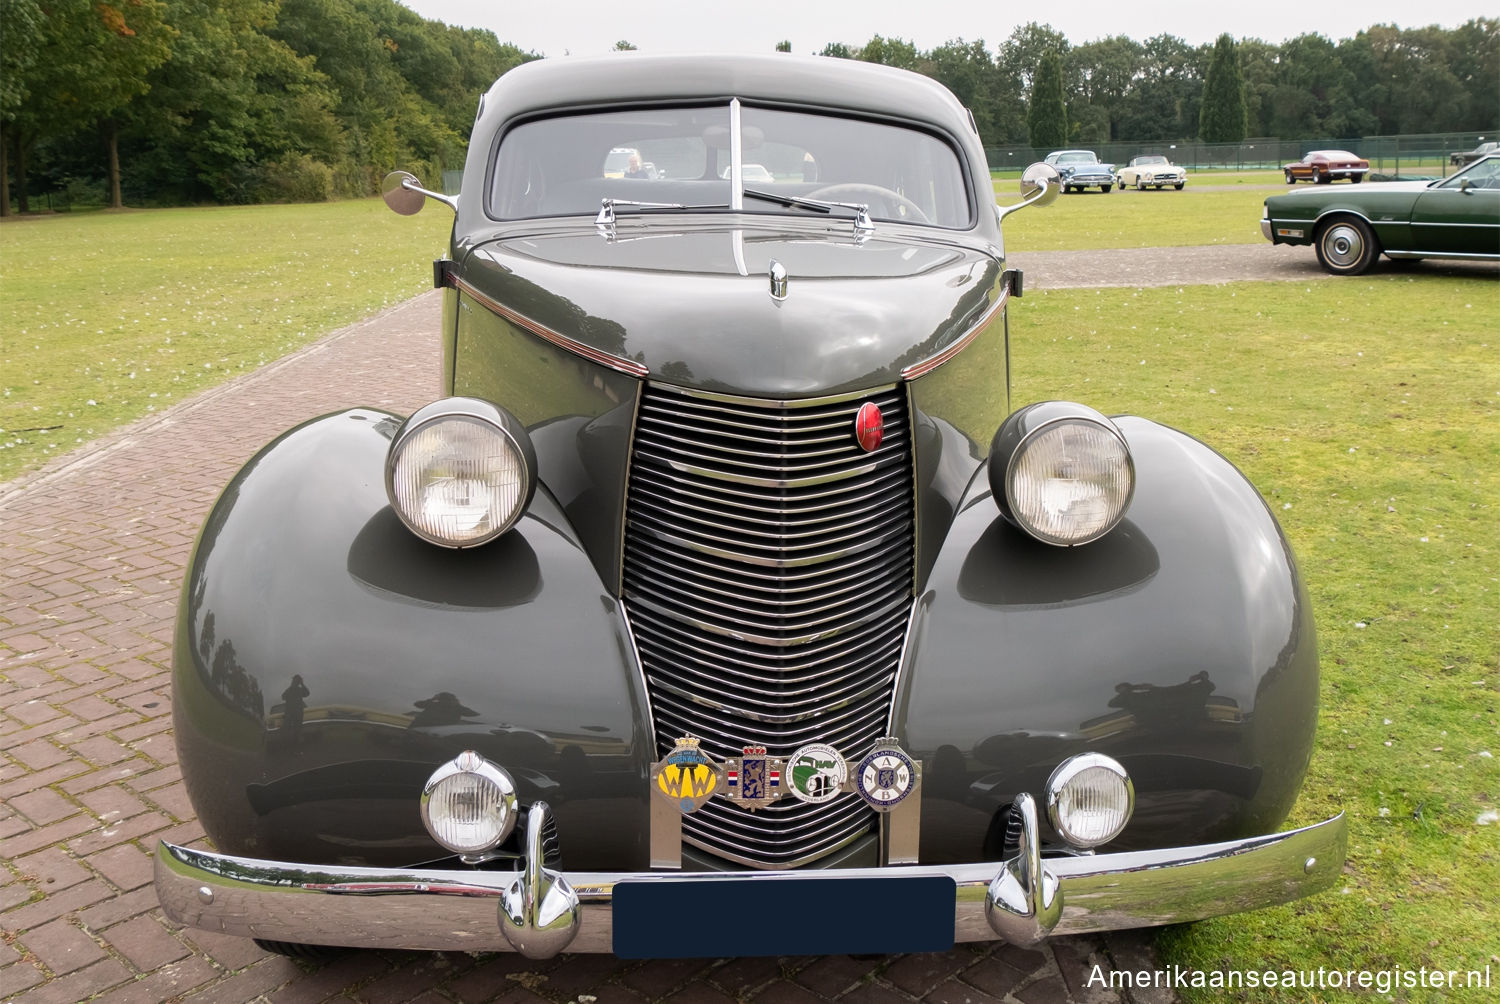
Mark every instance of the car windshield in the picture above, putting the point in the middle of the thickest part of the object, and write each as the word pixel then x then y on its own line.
pixel 1075 158
pixel 1149 160
pixel 565 165
pixel 1481 174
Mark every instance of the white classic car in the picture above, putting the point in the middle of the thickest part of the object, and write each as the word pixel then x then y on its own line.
pixel 1152 172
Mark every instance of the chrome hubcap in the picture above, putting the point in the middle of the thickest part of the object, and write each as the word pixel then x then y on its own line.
pixel 1342 245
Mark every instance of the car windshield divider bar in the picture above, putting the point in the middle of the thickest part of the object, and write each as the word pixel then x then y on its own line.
pixel 736 151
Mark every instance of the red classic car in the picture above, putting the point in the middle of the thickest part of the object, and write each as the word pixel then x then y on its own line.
pixel 1322 166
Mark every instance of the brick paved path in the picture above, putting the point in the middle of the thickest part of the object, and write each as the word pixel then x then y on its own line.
pixel 91 556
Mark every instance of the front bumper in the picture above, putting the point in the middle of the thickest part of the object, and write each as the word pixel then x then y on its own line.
pixel 540 912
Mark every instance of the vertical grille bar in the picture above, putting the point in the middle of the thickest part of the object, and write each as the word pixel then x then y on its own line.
pixel 768 573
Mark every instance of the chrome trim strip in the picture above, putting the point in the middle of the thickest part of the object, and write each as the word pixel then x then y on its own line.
pixel 457 910
pixel 640 667
pixel 903 662
pixel 1454 255
pixel 931 363
pixel 794 404
pixel 573 345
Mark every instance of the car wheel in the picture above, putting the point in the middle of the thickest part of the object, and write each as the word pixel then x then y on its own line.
pixel 1356 178
pixel 1179 185
pixel 1121 183
pixel 1289 179
pixel 1140 186
pixel 1322 179
pixel 1346 246
pixel 1106 189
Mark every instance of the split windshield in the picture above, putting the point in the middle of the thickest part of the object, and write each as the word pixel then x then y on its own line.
pixel 653 160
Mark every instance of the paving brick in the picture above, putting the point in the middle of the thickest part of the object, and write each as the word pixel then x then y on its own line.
pixel 112 804
pixel 34 914
pixel 833 974
pixel 45 836
pixel 17 977
pixel 874 993
pixel 43 806
pixel 52 869
pixel 33 712
pixel 225 949
pixel 119 907
pixel 145 944
pixel 79 986
pixel 106 835
pixel 62 946
pixel 127 866
pixel 37 754
pixel 169 982
pixel 953 991
pixel 250 984
pixel 119 773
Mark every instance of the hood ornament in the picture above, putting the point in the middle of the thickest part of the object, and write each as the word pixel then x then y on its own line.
pixel 778 274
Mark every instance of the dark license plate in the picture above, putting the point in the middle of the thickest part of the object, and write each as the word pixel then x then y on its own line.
pixel 716 916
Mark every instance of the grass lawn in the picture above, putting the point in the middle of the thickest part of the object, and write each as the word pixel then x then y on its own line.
pixel 1367 411
pixel 1091 220
pixel 107 317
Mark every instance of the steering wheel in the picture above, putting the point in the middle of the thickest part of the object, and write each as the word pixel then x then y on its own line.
pixel 853 191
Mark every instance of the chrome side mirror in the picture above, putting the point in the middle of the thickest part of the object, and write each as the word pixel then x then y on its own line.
pixel 1040 186
pixel 405 195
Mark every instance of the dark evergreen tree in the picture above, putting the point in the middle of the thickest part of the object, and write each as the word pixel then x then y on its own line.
pixel 1047 118
pixel 1222 117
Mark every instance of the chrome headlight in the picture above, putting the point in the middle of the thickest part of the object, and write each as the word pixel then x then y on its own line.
pixel 469 804
pixel 460 472
pixel 1062 472
pixel 1089 799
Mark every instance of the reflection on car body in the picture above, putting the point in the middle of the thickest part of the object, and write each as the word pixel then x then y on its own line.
pixel 727 584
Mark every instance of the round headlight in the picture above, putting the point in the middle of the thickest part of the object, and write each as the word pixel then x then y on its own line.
pixel 469 804
pixel 1062 472
pixel 460 472
pixel 1089 799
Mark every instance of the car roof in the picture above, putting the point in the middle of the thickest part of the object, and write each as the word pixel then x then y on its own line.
pixel 569 82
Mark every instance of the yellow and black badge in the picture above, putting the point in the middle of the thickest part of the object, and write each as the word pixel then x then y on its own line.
pixel 688 776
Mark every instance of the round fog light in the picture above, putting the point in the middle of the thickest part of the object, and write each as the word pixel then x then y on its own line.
pixel 1089 799
pixel 469 804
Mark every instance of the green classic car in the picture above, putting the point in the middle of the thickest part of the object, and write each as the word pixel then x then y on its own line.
pixel 1453 217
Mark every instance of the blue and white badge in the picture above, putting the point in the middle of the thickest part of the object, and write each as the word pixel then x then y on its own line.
pixel 885 776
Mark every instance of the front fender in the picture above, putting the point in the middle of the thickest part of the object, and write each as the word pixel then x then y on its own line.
pixel 1181 644
pixel 326 661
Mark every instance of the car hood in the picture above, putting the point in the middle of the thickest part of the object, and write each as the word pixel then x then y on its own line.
pixel 1369 189
pixel 693 304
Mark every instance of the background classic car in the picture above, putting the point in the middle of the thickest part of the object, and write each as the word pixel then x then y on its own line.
pixel 1463 157
pixel 1152 171
pixel 1081 169
pixel 1324 166
pixel 1454 217
pixel 728 583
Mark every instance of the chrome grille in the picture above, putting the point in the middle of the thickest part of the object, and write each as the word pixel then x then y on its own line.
pixel 768 573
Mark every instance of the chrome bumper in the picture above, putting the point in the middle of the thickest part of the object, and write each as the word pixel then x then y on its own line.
pixel 540 912
pixel 1265 230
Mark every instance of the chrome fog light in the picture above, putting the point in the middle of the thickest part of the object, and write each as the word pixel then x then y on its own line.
pixel 1062 472
pixel 469 804
pixel 1089 799
pixel 460 472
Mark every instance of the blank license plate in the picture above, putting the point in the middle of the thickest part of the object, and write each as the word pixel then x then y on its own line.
pixel 716 916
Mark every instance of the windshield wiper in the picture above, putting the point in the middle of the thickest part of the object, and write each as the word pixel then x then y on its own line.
pixel 862 222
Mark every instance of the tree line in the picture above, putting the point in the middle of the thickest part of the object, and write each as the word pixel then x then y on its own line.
pixel 161 102
pixel 231 101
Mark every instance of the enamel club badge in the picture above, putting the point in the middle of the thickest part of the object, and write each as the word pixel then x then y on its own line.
pixel 688 776
pixel 885 776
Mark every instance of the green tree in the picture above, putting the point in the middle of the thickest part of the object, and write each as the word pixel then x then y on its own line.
pixel 1047 116
pixel 624 46
pixel 890 52
pixel 23 40
pixel 784 45
pixel 1023 50
pixel 1222 117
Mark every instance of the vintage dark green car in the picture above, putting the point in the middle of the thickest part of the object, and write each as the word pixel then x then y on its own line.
pixel 1453 217
pixel 728 604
